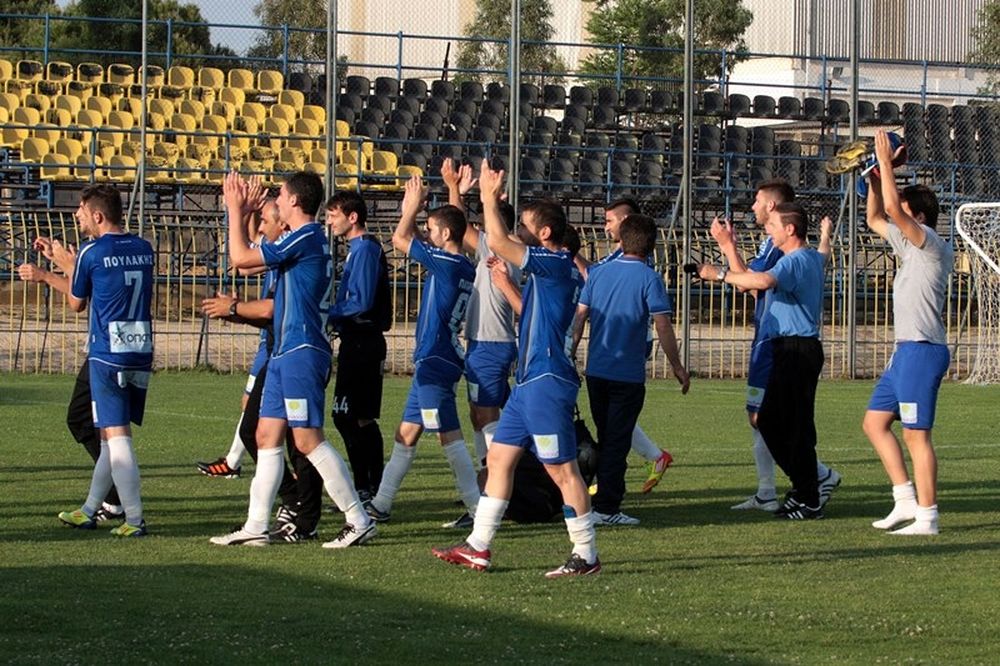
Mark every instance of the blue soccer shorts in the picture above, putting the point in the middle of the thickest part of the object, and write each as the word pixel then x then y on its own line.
pixel 259 360
pixel 909 386
pixel 761 360
pixel 539 417
pixel 117 394
pixel 487 372
pixel 295 388
pixel 431 401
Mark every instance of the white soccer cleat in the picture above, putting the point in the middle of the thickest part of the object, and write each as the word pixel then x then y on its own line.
pixel 352 536
pixel 755 503
pixel 240 537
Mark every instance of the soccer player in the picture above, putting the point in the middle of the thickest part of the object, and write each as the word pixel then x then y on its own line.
pixel 909 386
pixel 770 194
pixel 659 459
pixel 79 415
pixel 438 356
pixel 298 371
pixel 360 315
pixel 619 299
pixel 539 414
pixel 791 322
pixel 114 273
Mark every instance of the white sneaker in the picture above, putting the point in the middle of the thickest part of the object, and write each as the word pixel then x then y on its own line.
pixel 754 502
pixel 351 536
pixel 614 519
pixel 240 537
pixel 903 511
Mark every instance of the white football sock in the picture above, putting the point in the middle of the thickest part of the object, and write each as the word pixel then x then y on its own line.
pixel 904 509
pixel 581 533
pixel 644 446
pixel 125 472
pixel 926 522
pixel 489 514
pixel 765 467
pixel 267 476
pixel 465 474
pixel 393 474
pixel 338 484
pixel 236 449
pixel 100 482
pixel 479 441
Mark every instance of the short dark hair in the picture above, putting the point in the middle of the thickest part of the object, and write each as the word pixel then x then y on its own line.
pixel 632 204
pixel 508 215
pixel 778 188
pixel 638 235
pixel 571 240
pixel 922 200
pixel 793 213
pixel 347 202
pixel 549 214
pixel 106 199
pixel 307 187
pixel 451 218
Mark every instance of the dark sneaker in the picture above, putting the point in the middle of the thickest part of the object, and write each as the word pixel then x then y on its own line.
pixel 376 514
pixel 219 468
pixel 106 513
pixel 793 509
pixel 464 555
pixel 290 533
pixel 464 521
pixel 575 566
pixel 284 516
pixel 350 535
pixel 240 537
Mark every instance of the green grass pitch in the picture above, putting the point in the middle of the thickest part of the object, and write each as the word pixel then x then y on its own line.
pixel 695 583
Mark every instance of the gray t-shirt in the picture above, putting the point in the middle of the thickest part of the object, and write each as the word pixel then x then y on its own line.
pixel 920 286
pixel 489 317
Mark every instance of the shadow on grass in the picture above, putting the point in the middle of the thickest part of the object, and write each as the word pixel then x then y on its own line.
pixel 243 614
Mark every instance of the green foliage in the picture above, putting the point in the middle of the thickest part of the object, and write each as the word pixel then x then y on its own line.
pixel 308 39
pixel 123 33
pixel 986 34
pixel 719 25
pixel 25 32
pixel 540 62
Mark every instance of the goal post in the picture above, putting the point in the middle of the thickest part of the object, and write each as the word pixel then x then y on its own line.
pixel 979 226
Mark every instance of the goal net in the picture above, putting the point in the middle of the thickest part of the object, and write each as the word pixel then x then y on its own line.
pixel 979 225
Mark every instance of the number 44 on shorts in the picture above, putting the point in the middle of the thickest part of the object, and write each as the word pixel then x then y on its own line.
pixel 340 405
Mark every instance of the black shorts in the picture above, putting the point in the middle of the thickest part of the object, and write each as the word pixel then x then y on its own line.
pixel 360 366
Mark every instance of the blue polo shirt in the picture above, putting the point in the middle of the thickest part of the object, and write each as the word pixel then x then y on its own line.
pixel 795 305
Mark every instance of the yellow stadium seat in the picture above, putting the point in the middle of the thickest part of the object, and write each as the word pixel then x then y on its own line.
pixel 112 137
pixel 270 82
pixel 80 89
pixel 294 156
pixel 156 122
pixel 314 112
pixel 159 170
pixel 90 168
pixel 318 168
pixel 173 93
pixel 22 121
pixel 49 88
pixel 283 111
pixel 112 91
pixel 121 73
pixel 30 70
pixel 49 132
pixel 305 133
pixel 6 69
pixel 275 133
pixel 89 118
pixel 18 87
pixel 131 149
pixel 240 78
pixel 318 155
pixel 213 131
pixel 385 162
pixel 122 169
pixel 59 117
pixel 34 149
pixel 71 148
pixel 245 130
pixel 345 177
pixel 121 119
pixel 90 72
pixel 199 151
pixel 217 170
pixel 293 98
pixel 164 107
pixel 9 101
pixel 180 76
pixel 343 129
pixel 70 103
pixel 189 171
pixel 211 77
pixel 184 127
pixel 130 105
pixel 4 115
pixel 155 76
pixel 202 94
pixel 194 108
pixel 168 150
pixel 59 71
pixel 223 110
pixel 406 171
pixel 56 167
pixel 255 110
pixel 36 101
pixel 234 96
pixel 102 105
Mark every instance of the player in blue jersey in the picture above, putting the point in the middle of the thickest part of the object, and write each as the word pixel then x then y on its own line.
pixel 620 297
pixel 792 321
pixel 539 414
pixel 438 357
pixel 298 371
pixel 659 459
pixel 908 388
pixel 770 194
pixel 359 316
pixel 114 275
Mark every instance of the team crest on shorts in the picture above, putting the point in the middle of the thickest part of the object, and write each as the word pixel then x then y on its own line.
pixel 430 419
pixel 473 391
pixel 297 409
pixel 908 412
pixel 547 445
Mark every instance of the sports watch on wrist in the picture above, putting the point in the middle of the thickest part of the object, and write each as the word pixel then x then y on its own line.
pixel 232 308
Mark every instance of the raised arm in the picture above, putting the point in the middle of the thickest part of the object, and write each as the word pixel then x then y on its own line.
pixel 500 277
pixel 668 343
pixel 406 229
pixel 724 234
pixel 38 275
pixel 500 242
pixel 892 204
pixel 825 232
pixel 748 280
pixel 239 198
pixel 456 181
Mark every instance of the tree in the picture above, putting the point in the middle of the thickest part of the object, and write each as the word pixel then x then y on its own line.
pixel 719 25
pixel 307 35
pixel 986 34
pixel 539 61
pixel 25 33
pixel 124 31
